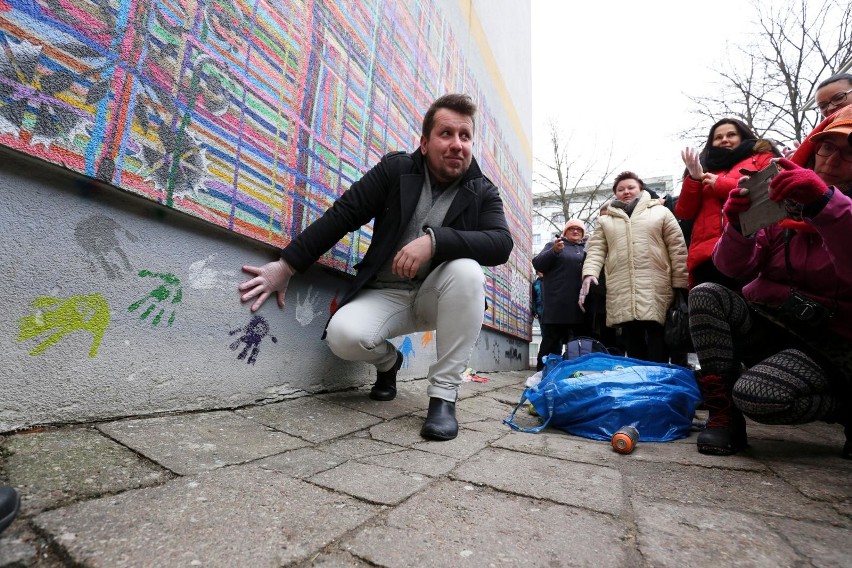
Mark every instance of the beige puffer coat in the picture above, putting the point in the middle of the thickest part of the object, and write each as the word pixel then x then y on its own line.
pixel 644 257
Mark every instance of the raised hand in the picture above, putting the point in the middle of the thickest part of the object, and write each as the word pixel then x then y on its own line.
pixel 692 163
pixel 170 288
pixel 271 277
pixel 796 184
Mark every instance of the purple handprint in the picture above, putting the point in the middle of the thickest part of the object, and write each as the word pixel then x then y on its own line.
pixel 253 333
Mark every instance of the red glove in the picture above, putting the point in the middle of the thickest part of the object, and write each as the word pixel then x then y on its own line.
pixel 735 205
pixel 796 184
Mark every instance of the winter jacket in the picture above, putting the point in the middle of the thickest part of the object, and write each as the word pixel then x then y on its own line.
pixel 821 262
pixel 702 204
pixel 561 283
pixel 644 258
pixel 474 227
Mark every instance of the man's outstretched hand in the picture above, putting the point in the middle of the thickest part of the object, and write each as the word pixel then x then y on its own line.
pixel 269 278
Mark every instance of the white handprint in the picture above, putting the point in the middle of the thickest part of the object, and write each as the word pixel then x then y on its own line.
pixel 306 311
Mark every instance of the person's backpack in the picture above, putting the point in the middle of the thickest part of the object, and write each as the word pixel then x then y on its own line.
pixel 583 346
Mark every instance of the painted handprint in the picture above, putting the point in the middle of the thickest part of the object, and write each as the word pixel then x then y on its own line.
pixel 170 288
pixel 253 333
pixel 97 236
pixel 63 316
pixel 407 350
pixel 305 311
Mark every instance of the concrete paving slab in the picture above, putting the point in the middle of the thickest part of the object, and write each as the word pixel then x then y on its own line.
pixel 410 397
pixel 310 418
pixel 676 535
pixel 746 491
pixel 236 515
pixel 57 467
pixel 582 485
pixel 485 407
pixel 336 559
pixel 352 447
pixel 459 525
pixel 465 445
pixel 192 443
pixel 558 444
pixel 404 431
pixel 301 463
pixel 817 482
pixel 816 433
pixel 414 461
pixel 824 546
pixel 371 482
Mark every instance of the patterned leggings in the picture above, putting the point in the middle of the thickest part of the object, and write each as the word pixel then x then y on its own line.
pixel 783 382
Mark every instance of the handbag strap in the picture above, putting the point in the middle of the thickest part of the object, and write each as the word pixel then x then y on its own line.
pixel 550 400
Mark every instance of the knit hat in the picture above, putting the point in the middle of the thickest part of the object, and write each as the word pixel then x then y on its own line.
pixel 840 122
pixel 574 223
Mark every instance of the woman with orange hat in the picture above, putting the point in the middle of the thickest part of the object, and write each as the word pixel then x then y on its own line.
pixel 560 264
pixel 781 353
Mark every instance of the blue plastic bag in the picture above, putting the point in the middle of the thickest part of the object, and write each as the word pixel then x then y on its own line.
pixel 596 394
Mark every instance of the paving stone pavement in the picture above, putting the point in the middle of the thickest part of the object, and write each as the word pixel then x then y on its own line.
pixel 340 480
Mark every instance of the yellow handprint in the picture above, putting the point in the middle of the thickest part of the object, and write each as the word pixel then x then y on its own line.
pixel 90 313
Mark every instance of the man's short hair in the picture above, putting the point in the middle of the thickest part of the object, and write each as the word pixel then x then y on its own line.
pixel 457 102
pixel 836 78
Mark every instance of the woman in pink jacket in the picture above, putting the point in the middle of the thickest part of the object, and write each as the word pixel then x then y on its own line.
pixel 709 178
pixel 781 353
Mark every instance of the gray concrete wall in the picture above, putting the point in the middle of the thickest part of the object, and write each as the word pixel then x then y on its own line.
pixel 117 305
pixel 73 256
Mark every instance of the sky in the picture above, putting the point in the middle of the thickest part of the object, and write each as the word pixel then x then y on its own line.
pixel 617 74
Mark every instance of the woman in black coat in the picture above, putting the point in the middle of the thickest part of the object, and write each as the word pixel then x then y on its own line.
pixel 561 263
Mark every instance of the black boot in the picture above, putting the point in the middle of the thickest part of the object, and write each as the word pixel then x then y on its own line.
pixel 385 386
pixel 725 433
pixel 441 423
pixel 10 503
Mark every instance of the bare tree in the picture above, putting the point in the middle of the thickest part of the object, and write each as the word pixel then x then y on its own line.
pixel 574 184
pixel 770 80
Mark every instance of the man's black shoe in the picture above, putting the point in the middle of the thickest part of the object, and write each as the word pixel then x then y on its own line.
pixel 10 502
pixel 385 387
pixel 441 423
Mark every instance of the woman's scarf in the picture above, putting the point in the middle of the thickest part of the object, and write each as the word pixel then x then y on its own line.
pixel 626 207
pixel 723 159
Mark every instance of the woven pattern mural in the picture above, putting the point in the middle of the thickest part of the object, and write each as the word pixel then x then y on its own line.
pixel 254 115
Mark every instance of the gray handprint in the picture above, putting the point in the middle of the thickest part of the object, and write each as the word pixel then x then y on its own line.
pixel 97 236
pixel 307 310
pixel 170 288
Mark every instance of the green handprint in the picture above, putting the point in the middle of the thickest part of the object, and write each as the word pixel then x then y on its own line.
pixel 90 313
pixel 160 293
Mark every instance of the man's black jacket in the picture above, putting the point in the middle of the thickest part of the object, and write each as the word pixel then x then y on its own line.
pixel 475 225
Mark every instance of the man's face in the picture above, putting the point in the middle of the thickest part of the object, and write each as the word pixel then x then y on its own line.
pixel 834 169
pixel 449 147
pixel 824 95
pixel 627 190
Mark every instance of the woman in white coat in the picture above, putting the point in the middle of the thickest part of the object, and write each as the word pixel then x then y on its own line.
pixel 641 247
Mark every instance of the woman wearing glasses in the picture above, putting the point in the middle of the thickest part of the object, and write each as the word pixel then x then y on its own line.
pixel 781 353
pixel 710 175
pixel 641 249
pixel 560 263
pixel 834 93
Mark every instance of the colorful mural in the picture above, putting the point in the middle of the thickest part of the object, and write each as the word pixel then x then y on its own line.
pixel 250 114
